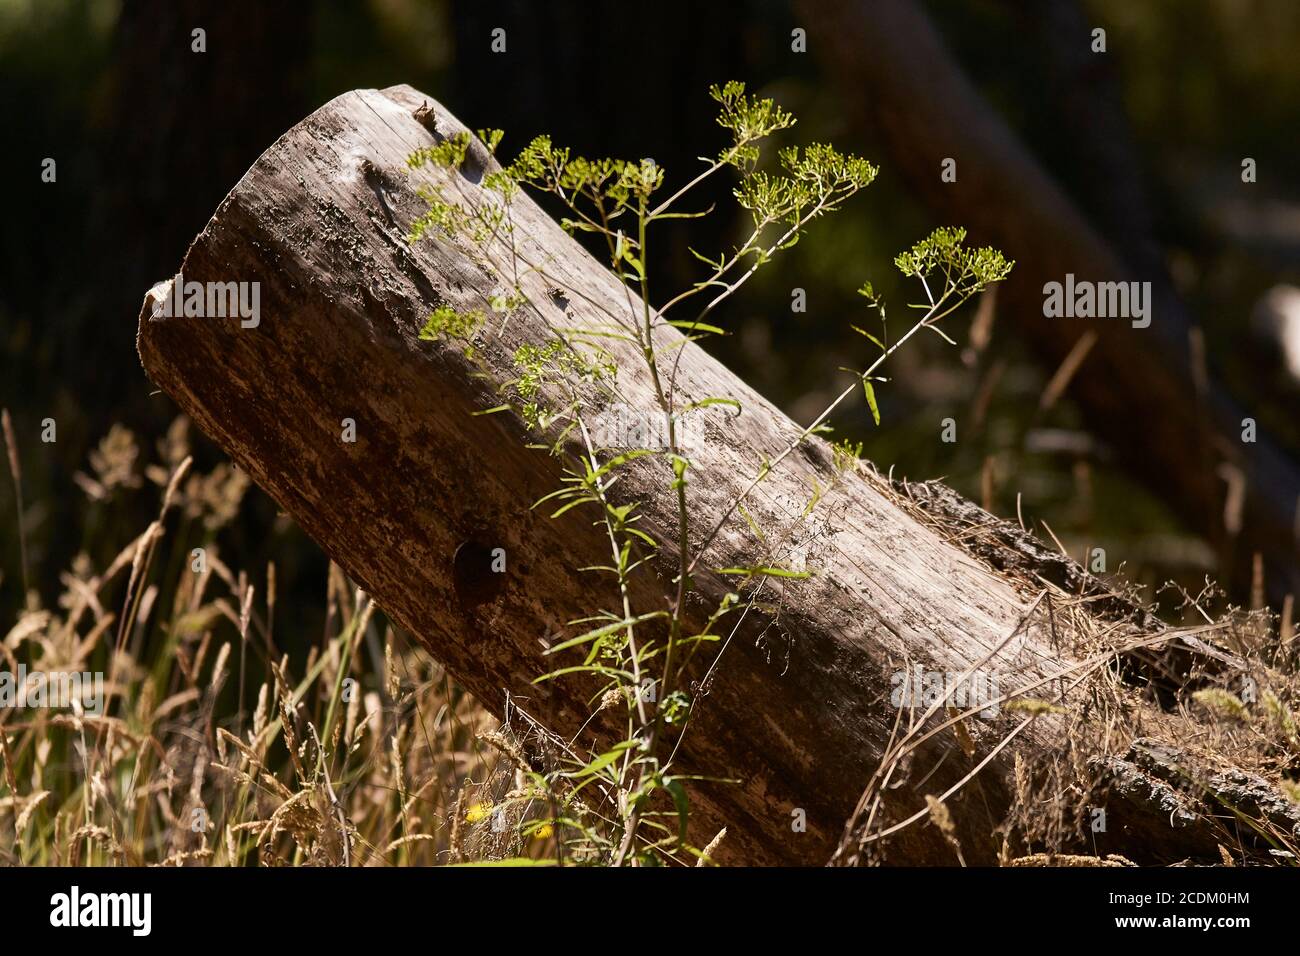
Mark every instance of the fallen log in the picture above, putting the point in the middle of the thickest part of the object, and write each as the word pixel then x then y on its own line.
pixel 802 707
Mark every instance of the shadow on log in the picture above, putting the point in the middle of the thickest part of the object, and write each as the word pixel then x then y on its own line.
pixel 798 710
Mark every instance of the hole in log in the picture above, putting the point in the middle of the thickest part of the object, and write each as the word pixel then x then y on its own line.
pixel 473 575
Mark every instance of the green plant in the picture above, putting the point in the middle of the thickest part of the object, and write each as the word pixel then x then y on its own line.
pixel 631 650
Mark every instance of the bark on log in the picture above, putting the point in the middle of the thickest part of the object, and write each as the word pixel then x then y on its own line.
pixel 798 709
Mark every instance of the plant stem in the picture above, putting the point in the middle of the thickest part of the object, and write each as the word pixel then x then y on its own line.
pixel 769 466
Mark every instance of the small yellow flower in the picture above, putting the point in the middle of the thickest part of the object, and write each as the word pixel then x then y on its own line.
pixel 478 812
pixel 543 832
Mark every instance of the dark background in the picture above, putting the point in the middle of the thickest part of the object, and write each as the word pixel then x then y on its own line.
pixel 1146 140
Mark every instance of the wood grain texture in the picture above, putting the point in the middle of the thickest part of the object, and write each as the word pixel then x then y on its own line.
pixel 798 710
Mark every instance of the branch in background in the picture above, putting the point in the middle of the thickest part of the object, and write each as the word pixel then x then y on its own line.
pixel 1137 387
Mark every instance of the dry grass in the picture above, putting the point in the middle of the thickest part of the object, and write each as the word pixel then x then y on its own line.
pixel 1195 720
pixel 215 747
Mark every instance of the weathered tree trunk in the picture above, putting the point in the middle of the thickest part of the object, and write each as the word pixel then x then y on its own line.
pixel 797 710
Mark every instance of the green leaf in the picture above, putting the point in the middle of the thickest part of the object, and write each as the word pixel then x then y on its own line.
pixel 711 263
pixel 604 760
pixel 753 525
pixel 621 459
pixel 696 326
pixel 707 402
pixel 871 399
pixel 624 676
pixel 643 536
pixel 770 572
pixel 941 333
pixel 870 336
pixel 573 504
pixel 605 631
pixel 683 804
